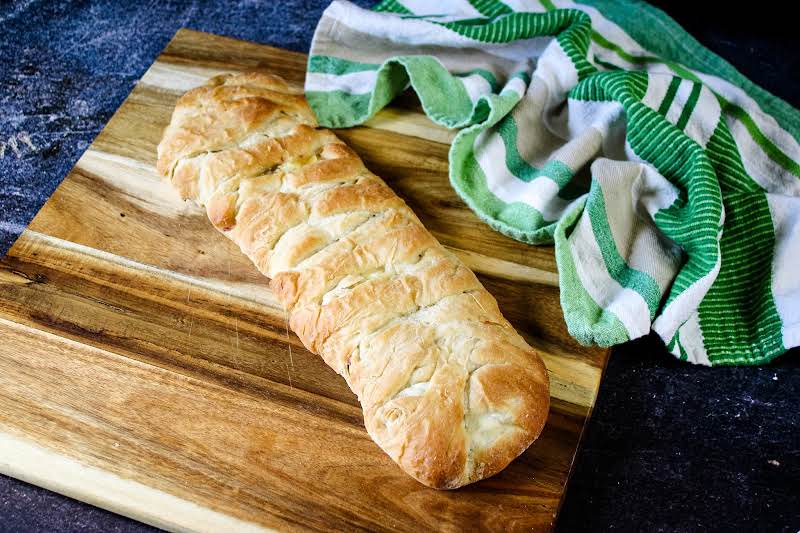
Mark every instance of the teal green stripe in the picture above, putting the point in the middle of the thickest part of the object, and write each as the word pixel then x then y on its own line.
pixel 620 271
pixel 688 108
pixel 335 65
pixel 672 90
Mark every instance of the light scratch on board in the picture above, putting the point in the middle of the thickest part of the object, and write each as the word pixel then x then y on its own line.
pixel 289 344
pixel 237 357
pixel 236 327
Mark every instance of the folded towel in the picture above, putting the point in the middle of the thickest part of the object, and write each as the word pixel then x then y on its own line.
pixel 669 183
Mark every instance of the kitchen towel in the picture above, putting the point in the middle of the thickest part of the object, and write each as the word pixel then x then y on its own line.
pixel 669 183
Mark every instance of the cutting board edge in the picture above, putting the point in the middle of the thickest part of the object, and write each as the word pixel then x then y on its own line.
pixel 582 435
pixel 40 466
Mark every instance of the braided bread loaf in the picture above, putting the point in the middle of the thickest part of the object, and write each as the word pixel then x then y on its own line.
pixel 449 389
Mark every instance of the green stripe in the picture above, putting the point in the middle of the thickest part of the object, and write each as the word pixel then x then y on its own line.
pixel 681 161
pixel 570 26
pixel 618 269
pixel 688 108
pixel 391 6
pixel 586 321
pixel 492 79
pixel 336 65
pixel 670 96
pixel 605 43
pixel 523 75
pixel 673 43
pixel 738 314
pixel 433 16
pixel 443 96
pixel 339 108
pixel 600 40
pixel 490 8
pixel 673 340
pixel 520 25
pixel 606 64
pixel 727 163
pixel 681 71
pixel 684 356
pixel 517 220
pixel 483 73
pixel 761 140
pixel 621 52
pixel 557 171
pixel 618 85
pixel 772 151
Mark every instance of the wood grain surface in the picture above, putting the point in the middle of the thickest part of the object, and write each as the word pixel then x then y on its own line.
pixel 147 368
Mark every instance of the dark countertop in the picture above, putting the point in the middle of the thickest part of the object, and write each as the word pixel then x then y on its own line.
pixel 670 447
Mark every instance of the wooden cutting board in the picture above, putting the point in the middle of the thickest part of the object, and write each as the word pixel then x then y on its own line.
pixel 145 366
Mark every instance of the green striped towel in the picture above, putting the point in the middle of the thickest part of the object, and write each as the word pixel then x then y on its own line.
pixel 668 182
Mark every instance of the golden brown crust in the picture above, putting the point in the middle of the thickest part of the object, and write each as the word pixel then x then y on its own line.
pixel 449 390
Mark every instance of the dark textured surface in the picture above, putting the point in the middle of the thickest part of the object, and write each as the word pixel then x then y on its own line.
pixel 671 447
pixel 25 507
